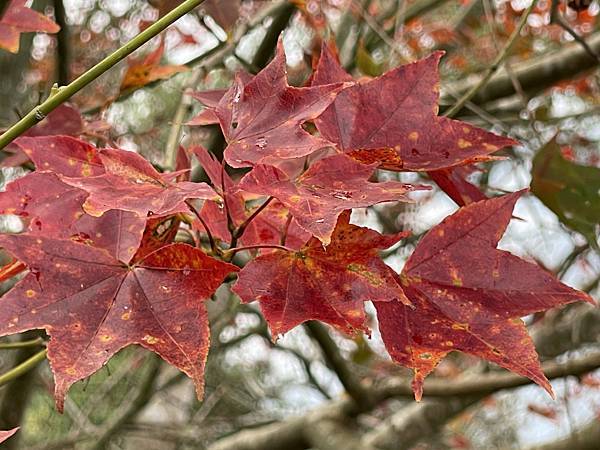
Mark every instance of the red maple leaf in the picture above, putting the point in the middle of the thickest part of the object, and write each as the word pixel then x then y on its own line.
pixel 328 284
pixel 261 118
pixel 392 119
pixel 17 19
pixel 266 228
pixel 318 196
pixel 452 181
pixel 92 305
pixel 210 99
pixel 130 183
pixel 64 155
pixel 469 296
pixel 4 435
pixel 52 208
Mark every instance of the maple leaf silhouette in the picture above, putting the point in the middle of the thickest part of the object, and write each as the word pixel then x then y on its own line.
pixel 469 296
pixel 17 19
pixel 327 188
pixel 92 305
pixel 327 284
pixel 261 118
pixel 392 119
pixel 130 183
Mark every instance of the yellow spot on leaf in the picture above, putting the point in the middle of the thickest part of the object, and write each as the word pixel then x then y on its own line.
pixel 86 170
pixel 30 293
pixel 457 282
pixel 151 339
pixel 490 147
pixel 105 338
pixel 413 136
pixel 462 143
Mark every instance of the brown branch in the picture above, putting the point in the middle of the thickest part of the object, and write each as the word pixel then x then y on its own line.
pixel 556 17
pixel 533 75
pixel 340 366
pixel 289 434
pixel 495 66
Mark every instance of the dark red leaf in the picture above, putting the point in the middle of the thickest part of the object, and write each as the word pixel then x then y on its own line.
pixel 392 120
pixel 92 305
pixel 261 118
pixel 452 182
pixel 132 184
pixel 328 284
pixel 320 194
pixel 469 296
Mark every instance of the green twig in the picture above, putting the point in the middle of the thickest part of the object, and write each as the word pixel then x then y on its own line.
pixel 490 71
pixel 23 368
pixel 64 93
pixel 21 344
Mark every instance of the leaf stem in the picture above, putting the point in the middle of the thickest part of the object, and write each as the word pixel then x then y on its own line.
pixel 239 232
pixel 64 93
pixel 23 368
pixel 286 227
pixel 232 251
pixel 213 246
pixel 21 344
pixel 491 70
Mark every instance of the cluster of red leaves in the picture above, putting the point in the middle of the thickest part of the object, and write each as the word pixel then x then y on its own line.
pixel 104 271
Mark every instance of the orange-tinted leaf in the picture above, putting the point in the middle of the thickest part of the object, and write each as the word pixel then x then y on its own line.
pixel 92 305
pixel 392 120
pixel 130 183
pixel 141 73
pixel 17 19
pixel 261 118
pixel 159 232
pixel 11 269
pixel 469 296
pixel 320 194
pixel 328 284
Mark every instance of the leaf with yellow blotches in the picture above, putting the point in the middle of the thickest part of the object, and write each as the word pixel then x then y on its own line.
pixel 328 284
pixel 318 196
pixel 392 120
pixel 130 183
pixel 469 296
pixel 92 305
